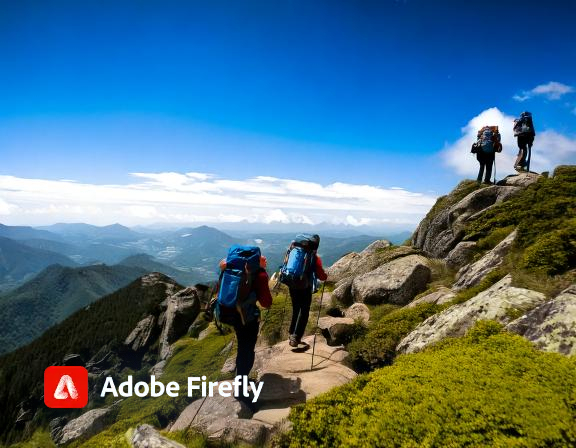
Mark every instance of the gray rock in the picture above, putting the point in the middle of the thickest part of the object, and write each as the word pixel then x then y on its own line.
pixel 141 336
pixel 358 311
pixel 181 310
pixel 499 302
pixel 72 359
pixel 216 408
pixel 145 436
pixel 286 389
pixel 87 425
pixel 438 297
pixel 460 255
pixel 395 282
pixel 519 180
pixel 199 324
pixel 472 274
pixel 158 369
pixel 438 235
pixel 354 264
pixel 551 326
pixel 55 426
pixel 343 291
pixel 336 329
pixel 373 247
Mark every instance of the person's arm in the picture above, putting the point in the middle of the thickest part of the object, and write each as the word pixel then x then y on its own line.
pixel 320 274
pixel 262 290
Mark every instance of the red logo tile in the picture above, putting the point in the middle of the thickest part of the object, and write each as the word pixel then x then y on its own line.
pixel 65 387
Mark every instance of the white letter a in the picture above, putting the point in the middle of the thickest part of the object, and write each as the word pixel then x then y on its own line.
pixel 67 382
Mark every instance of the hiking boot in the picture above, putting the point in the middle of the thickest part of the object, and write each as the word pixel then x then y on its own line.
pixel 487 182
pixel 293 341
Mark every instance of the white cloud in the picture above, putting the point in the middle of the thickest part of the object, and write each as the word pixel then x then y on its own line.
pixel 550 147
pixel 205 198
pixel 552 91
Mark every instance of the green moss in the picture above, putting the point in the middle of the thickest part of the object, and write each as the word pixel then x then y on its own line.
pixel 545 216
pixel 40 439
pixel 553 252
pixel 378 347
pixel 486 389
pixel 493 238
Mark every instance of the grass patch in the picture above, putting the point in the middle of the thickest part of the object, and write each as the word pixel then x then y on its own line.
pixel 486 389
pixel 490 279
pixel 378 347
pixel 40 439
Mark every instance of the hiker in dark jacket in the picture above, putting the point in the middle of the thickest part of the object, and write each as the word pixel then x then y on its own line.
pixel 247 325
pixel 302 299
pixel 485 148
pixel 524 131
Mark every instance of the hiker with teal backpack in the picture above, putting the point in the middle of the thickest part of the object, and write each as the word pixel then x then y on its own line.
pixel 524 131
pixel 243 283
pixel 486 146
pixel 301 269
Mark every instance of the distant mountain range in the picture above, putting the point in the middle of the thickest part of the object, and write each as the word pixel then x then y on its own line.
pixel 53 295
pixel 20 262
pixel 193 253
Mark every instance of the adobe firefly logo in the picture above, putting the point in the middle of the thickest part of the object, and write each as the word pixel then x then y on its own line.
pixel 65 387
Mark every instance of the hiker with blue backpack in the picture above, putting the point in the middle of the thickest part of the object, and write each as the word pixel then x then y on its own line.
pixel 524 131
pixel 486 146
pixel 243 283
pixel 301 269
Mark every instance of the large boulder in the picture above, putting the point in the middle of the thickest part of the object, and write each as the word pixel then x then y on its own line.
pixel 551 326
pixel 343 291
pixel 439 297
pixel 461 254
pixel 336 330
pixel 354 264
pixel 142 334
pixel 441 231
pixel 375 246
pixel 145 436
pixel 395 282
pixel 182 309
pixel 87 425
pixel 222 419
pixel 519 180
pixel 472 274
pixel 499 302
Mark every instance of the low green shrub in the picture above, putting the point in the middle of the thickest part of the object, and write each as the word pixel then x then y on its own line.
pixel 378 346
pixel 553 252
pixel 487 389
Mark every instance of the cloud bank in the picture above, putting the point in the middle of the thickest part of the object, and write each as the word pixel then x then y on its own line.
pixel 550 147
pixel 172 197
pixel 552 91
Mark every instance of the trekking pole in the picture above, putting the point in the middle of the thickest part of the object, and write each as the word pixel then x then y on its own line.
pixel 494 170
pixel 528 158
pixel 316 329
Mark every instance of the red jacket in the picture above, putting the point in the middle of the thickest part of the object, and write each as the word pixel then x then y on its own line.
pixel 262 289
pixel 319 270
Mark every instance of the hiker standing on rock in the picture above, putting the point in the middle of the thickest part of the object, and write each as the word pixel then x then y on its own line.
pixel 524 131
pixel 243 283
pixel 485 148
pixel 301 268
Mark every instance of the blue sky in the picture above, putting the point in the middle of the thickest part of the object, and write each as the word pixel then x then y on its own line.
pixel 374 93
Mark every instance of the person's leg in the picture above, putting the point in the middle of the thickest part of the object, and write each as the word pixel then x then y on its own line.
pixel 296 305
pixel 523 149
pixel 305 301
pixel 480 158
pixel 489 163
pixel 246 336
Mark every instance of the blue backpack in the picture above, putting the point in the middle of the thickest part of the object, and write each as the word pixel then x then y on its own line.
pixel 235 288
pixel 297 271
pixel 489 140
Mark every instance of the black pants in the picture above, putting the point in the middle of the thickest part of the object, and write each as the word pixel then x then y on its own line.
pixel 486 160
pixel 246 336
pixel 524 145
pixel 301 301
